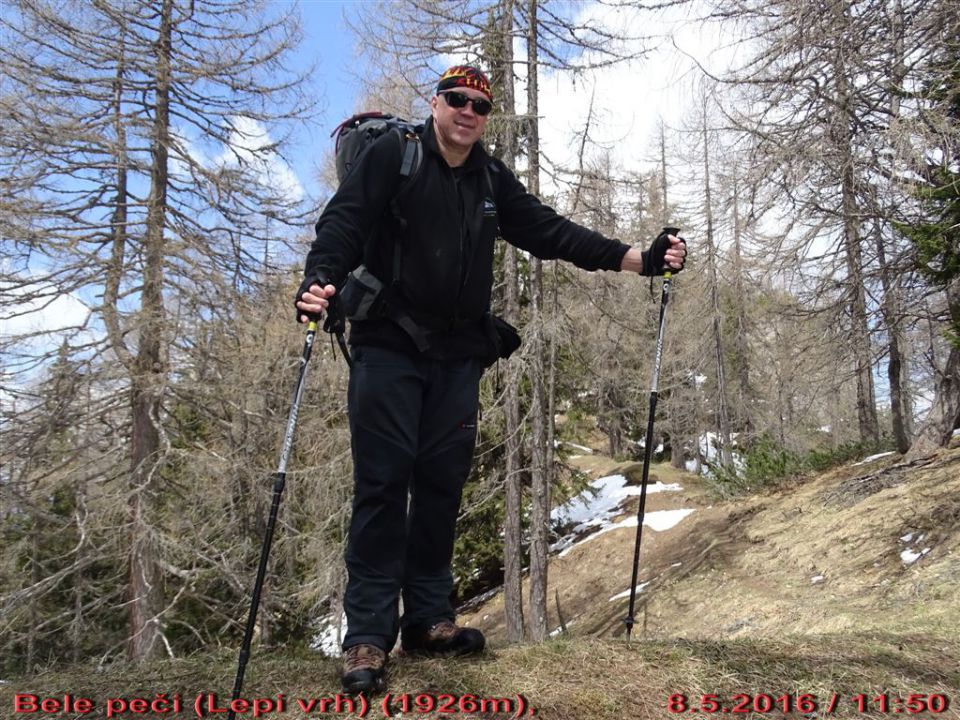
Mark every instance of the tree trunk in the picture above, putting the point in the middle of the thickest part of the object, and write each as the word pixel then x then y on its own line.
pixel 723 414
pixel 859 324
pixel 741 347
pixel 891 305
pixel 540 476
pixel 674 420
pixel 860 328
pixel 146 591
pixel 665 220
pixel 513 539
pixel 890 309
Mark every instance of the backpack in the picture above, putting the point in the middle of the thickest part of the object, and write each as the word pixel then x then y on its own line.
pixel 357 133
pixel 353 136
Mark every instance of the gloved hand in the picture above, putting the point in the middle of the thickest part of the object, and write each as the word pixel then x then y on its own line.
pixel 315 277
pixel 654 259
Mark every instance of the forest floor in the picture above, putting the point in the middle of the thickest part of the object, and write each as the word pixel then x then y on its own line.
pixel 831 596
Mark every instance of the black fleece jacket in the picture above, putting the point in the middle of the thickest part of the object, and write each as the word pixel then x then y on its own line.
pixel 446 246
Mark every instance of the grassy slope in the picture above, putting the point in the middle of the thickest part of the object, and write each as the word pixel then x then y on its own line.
pixel 739 614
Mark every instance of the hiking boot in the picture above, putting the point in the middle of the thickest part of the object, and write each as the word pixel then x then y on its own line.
pixel 444 639
pixel 363 669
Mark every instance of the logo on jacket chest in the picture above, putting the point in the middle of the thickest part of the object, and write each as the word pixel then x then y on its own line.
pixel 489 208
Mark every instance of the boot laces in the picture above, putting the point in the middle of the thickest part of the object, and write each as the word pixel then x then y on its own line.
pixel 363 657
pixel 443 630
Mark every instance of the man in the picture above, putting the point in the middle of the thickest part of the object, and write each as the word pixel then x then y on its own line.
pixel 417 361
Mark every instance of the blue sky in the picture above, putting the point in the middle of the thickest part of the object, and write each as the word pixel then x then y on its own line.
pixel 329 45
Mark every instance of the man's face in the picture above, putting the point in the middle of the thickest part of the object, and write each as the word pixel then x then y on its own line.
pixel 460 127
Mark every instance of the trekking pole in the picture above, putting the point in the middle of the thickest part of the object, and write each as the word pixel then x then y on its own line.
pixel 278 485
pixel 648 447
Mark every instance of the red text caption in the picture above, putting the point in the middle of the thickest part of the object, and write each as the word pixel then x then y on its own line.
pixel 892 703
pixel 207 705
pixel 406 703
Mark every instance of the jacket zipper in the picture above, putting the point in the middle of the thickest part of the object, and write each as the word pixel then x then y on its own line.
pixel 459 279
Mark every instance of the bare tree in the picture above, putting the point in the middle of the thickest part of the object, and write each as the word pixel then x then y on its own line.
pixel 723 413
pixel 110 114
pixel 811 151
pixel 830 90
pixel 932 226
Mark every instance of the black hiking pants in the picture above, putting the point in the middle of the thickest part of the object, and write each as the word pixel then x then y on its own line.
pixel 413 424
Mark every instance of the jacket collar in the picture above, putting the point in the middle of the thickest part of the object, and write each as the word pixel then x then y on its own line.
pixel 477 158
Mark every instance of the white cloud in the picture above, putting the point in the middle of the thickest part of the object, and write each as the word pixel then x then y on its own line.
pixel 250 144
pixel 628 98
pixel 41 310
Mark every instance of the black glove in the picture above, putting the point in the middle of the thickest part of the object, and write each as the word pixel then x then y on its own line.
pixel 314 277
pixel 654 258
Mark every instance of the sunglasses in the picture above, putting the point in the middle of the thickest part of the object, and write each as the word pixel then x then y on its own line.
pixel 458 100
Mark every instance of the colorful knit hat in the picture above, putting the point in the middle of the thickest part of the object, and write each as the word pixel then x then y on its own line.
pixel 465 76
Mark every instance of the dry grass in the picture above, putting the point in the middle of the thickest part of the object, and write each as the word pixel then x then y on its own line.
pixel 738 614
pixel 569 679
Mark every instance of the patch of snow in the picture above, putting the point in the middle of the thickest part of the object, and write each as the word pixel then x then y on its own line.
pixel 600 501
pixel 676 564
pixel 326 640
pixel 826 428
pixel 581 448
pixel 709 452
pixel 476 601
pixel 554 633
pixel 657 521
pixel 817 579
pixel 872 458
pixel 909 557
pixel 626 593
pixel 663 520
pixel 566 544
pixel 907 538
pixel 956 433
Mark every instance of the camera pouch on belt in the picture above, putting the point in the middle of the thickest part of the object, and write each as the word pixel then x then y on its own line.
pixel 362 295
pixel 503 337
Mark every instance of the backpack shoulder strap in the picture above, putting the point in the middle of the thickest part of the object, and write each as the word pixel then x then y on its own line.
pixel 412 153
pixel 410 162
